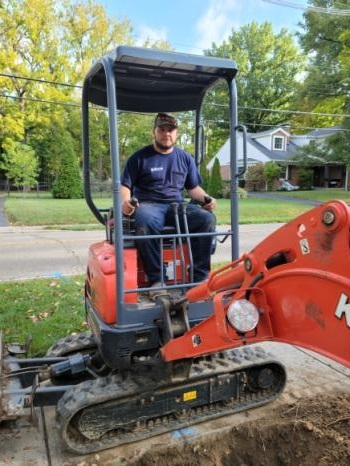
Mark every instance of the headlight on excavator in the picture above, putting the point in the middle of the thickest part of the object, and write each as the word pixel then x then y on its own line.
pixel 243 315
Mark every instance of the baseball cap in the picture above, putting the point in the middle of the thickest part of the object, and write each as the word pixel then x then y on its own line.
pixel 165 119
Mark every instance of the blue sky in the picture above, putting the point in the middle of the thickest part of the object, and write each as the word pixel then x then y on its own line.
pixel 192 25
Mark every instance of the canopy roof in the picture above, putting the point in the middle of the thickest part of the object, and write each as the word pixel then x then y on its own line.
pixel 151 80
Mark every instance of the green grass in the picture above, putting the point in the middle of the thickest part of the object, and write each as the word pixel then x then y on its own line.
pixel 43 210
pixel 46 309
pixel 253 210
pixel 318 194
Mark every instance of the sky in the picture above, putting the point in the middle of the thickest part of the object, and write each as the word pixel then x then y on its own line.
pixel 191 26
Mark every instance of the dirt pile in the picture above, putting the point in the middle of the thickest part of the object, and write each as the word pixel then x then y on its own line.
pixel 314 431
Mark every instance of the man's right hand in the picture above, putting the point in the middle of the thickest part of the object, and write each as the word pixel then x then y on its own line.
pixel 128 208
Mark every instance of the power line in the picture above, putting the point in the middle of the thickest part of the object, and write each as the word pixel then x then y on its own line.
pixel 32 99
pixel 318 9
pixel 297 112
pixel 39 80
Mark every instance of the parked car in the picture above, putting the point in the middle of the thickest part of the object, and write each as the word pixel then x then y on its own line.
pixel 285 185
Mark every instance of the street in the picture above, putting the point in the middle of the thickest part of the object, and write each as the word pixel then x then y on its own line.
pixel 32 252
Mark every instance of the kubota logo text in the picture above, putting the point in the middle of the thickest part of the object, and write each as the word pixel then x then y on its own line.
pixel 343 308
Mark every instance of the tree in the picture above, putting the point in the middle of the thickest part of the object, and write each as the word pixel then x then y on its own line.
pixel 215 183
pixel 325 90
pixel 271 173
pixel 205 176
pixel 305 177
pixel 49 41
pixel 269 67
pixel 20 164
pixel 68 183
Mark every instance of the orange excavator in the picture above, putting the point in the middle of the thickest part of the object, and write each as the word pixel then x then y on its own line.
pixel 195 352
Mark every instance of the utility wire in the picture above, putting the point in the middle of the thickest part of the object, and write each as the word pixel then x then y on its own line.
pixel 318 9
pixel 32 99
pixel 45 81
pixel 258 109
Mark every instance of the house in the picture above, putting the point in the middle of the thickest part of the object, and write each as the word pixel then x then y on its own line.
pixel 280 146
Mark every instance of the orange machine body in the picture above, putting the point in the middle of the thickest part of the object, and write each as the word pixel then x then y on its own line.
pixel 101 278
pixel 298 278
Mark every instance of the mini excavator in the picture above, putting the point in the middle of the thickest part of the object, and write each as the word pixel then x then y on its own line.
pixel 194 352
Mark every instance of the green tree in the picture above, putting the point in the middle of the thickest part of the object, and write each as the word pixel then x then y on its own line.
pixel 305 177
pixel 20 164
pixel 49 41
pixel 205 176
pixel 215 183
pixel 68 183
pixel 271 173
pixel 325 90
pixel 269 66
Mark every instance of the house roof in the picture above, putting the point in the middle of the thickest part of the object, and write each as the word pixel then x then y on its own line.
pixel 258 152
pixel 323 132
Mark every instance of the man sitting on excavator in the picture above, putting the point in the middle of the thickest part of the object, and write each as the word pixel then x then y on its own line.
pixel 156 175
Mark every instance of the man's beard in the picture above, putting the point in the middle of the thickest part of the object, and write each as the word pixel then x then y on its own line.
pixel 162 147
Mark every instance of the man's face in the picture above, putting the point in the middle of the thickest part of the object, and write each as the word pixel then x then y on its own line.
pixel 165 137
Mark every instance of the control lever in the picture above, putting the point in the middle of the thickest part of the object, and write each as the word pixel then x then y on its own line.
pixel 134 201
pixel 188 241
pixel 207 200
pixel 175 207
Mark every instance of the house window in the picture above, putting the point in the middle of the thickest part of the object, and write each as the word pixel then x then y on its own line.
pixel 278 143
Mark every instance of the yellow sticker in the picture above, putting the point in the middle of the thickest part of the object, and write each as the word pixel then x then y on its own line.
pixel 190 395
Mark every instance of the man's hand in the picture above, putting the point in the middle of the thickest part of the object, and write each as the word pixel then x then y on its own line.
pixel 209 203
pixel 128 207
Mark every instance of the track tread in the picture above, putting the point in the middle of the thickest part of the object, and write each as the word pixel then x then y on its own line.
pixel 112 388
pixel 72 344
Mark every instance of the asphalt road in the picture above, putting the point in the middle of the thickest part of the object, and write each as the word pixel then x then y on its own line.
pixel 29 252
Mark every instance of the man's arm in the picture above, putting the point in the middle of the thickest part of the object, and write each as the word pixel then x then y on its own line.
pixel 198 194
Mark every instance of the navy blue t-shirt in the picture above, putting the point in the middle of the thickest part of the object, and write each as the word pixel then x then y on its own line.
pixel 152 176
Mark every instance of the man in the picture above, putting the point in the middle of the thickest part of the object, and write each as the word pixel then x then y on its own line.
pixel 157 175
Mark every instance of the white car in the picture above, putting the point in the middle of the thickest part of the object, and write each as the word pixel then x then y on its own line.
pixel 287 186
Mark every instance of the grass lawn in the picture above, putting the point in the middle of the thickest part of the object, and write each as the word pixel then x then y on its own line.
pixel 42 209
pixel 318 194
pixel 46 309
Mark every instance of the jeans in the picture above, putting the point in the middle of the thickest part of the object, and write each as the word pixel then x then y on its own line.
pixel 150 219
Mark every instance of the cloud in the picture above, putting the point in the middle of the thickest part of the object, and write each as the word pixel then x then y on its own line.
pixel 152 34
pixel 217 22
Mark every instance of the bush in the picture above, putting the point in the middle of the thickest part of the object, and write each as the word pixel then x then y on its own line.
pixel 254 177
pixel 68 183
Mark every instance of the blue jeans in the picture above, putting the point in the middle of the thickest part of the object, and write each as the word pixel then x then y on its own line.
pixel 150 219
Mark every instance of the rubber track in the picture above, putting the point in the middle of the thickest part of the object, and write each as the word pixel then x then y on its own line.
pixel 72 344
pixel 113 387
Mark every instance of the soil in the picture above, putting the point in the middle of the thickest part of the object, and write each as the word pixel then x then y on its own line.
pixel 314 431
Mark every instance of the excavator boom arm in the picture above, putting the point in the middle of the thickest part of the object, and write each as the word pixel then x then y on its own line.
pixel 298 279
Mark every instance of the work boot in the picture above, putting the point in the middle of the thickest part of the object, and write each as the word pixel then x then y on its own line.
pixel 153 294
